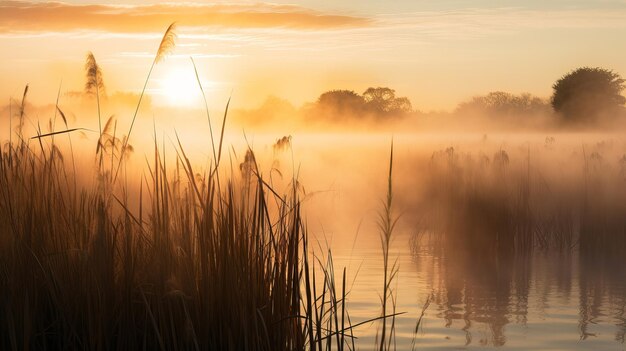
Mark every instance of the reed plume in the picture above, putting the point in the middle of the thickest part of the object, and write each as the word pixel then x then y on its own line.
pixel 105 132
pixel 165 47
pixel 167 43
pixel 108 125
pixel 94 84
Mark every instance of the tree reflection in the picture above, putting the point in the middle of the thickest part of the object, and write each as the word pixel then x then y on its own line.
pixel 602 296
pixel 481 294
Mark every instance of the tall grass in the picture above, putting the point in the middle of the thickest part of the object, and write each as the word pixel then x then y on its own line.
pixel 166 46
pixel 199 267
pixel 504 206
pixel 386 224
pixel 186 261
pixel 183 262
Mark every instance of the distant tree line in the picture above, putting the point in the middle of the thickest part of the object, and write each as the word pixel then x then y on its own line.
pixel 379 102
pixel 503 104
pixel 584 95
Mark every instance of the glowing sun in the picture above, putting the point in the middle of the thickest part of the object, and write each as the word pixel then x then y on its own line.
pixel 179 87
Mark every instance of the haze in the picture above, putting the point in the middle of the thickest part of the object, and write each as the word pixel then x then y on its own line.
pixel 312 175
pixel 436 53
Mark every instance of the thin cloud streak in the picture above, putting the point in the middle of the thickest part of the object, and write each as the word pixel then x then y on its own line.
pixel 25 16
pixel 481 22
pixel 185 56
pixel 422 29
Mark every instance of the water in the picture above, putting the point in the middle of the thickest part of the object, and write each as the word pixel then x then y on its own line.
pixel 547 302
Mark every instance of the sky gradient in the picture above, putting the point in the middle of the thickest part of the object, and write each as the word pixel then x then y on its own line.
pixel 437 53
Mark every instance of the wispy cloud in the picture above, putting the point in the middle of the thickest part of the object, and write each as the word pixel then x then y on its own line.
pixel 26 16
pixel 139 54
pixel 479 22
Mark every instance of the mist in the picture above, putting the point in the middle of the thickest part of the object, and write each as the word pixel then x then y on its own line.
pixel 467 205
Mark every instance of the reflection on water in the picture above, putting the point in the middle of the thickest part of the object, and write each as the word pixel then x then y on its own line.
pixel 545 301
pixel 484 293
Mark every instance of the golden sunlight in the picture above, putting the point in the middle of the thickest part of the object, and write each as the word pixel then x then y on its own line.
pixel 179 87
pixel 305 174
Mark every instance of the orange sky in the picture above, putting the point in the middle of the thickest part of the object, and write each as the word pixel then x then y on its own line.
pixel 437 55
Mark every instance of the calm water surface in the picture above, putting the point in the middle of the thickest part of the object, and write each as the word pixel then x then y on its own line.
pixel 548 301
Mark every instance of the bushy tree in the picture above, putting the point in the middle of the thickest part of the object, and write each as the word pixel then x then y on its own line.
pixel 375 102
pixel 503 104
pixel 383 100
pixel 341 102
pixel 587 93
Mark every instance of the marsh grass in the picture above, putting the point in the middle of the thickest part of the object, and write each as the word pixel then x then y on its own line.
pixel 503 206
pixel 386 225
pixel 193 263
pixel 200 267
pixel 166 46
pixel 187 261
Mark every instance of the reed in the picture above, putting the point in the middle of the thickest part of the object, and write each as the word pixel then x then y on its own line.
pixel 505 207
pixel 168 42
pixel 386 225
pixel 199 271
pixel 94 85
pixel 186 261
pixel 197 265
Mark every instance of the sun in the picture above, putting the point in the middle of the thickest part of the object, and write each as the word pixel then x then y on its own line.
pixel 179 87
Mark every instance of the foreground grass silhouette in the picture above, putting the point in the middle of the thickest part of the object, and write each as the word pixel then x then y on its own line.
pixel 208 265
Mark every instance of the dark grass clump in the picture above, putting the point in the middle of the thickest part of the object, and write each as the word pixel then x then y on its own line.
pixel 503 207
pixel 197 265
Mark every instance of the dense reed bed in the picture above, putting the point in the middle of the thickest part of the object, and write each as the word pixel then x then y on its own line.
pixel 197 262
pixel 200 263
pixel 511 204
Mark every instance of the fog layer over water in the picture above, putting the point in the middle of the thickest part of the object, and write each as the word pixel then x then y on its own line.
pixel 516 240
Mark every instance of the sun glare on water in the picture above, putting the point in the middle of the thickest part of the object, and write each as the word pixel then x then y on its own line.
pixel 179 87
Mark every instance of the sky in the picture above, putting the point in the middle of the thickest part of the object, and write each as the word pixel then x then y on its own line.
pixel 437 53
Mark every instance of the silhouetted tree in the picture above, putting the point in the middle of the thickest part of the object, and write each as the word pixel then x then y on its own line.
pixel 341 102
pixel 499 103
pixel 374 103
pixel 384 101
pixel 587 93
